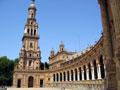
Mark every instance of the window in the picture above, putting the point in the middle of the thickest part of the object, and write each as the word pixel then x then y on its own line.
pixel 48 79
pixel 36 68
pixel 30 63
pixel 32 15
pixel 28 31
pixel 30 55
pixel 31 45
pixel 31 31
pixel 37 55
pixel 34 32
pixel 31 22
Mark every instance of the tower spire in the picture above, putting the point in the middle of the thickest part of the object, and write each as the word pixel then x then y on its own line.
pixel 33 1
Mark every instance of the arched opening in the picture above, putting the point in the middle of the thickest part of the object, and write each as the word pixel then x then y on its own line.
pixel 64 76
pixel 28 31
pixel 57 77
pixel 71 75
pixel 37 68
pixel 102 67
pixel 95 70
pixel 41 83
pixel 68 77
pixel 32 15
pixel 34 32
pixel 54 77
pixel 30 81
pixel 84 72
pixel 31 31
pixel 80 73
pixel 60 76
pixel 19 83
pixel 90 74
pixel 31 45
pixel 76 78
pixel 30 62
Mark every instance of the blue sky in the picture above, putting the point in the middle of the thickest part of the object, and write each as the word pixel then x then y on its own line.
pixel 76 22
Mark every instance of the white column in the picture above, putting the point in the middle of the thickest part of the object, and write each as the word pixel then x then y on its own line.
pixel 82 75
pixel 87 72
pixel 93 73
pixel 98 71
pixel 63 77
pixel 78 76
pixel 55 77
pixel 66 77
pixel 70 77
pixel 59 77
pixel 73 76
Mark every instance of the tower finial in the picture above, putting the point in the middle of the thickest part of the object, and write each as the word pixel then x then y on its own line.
pixel 33 1
pixel 61 42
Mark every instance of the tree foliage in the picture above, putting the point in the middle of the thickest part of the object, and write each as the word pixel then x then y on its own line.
pixel 44 65
pixel 7 69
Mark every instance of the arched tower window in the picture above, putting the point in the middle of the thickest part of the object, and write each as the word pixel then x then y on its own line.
pixel 32 15
pixel 31 45
pixel 30 63
pixel 30 55
pixel 34 32
pixel 31 31
pixel 28 31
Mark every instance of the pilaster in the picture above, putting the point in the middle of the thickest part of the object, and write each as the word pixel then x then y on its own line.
pixel 110 65
pixel 115 8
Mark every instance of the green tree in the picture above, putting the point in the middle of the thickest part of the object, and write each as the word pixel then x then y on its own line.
pixel 42 66
pixel 46 65
pixel 6 71
pixel 16 61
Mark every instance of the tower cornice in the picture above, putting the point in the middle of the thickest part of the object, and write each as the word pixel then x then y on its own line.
pixel 31 37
